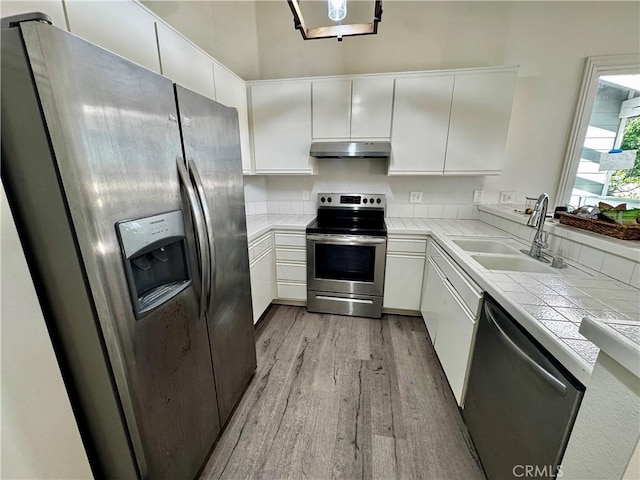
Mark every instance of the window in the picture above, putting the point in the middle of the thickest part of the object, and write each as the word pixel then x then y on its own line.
pixel 607 119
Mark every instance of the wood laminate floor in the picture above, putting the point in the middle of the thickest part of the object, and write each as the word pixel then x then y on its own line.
pixel 344 397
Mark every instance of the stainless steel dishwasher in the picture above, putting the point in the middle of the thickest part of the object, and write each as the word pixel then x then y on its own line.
pixel 521 403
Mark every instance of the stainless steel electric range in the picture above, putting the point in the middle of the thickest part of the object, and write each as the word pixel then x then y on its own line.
pixel 346 255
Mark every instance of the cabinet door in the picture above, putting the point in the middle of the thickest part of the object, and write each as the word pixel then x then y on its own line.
pixel 403 282
pixel 453 342
pixel 371 105
pixel 124 28
pixel 232 91
pixel 281 120
pixel 263 284
pixel 431 305
pixel 420 124
pixel 54 9
pixel 480 115
pixel 331 109
pixel 184 63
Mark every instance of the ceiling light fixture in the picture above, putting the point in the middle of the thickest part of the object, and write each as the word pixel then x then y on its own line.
pixel 337 11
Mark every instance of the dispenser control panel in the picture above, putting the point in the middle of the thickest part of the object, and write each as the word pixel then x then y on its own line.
pixel 155 259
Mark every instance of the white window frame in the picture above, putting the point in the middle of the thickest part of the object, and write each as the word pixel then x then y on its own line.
pixel 595 67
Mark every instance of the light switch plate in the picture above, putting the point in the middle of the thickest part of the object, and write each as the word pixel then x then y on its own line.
pixel 477 196
pixel 305 195
pixel 415 197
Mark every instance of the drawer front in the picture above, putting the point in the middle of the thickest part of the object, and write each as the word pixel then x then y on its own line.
pixel 292 291
pixel 290 271
pixel 261 245
pixel 407 245
pixel 290 239
pixel 470 293
pixel 291 255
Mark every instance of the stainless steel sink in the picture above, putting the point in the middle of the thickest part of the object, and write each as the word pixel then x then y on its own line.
pixel 486 245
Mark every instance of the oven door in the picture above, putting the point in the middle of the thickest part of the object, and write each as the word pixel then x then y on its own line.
pixel 346 264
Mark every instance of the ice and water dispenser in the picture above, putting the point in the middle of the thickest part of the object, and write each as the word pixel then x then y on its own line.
pixel 155 258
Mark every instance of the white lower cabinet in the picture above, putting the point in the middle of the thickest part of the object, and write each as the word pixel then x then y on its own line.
pixel 262 284
pixel 291 266
pixel 455 333
pixel 403 274
pixel 263 280
pixel 431 304
pixel 450 307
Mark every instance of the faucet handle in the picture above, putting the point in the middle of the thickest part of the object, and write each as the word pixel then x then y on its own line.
pixel 544 237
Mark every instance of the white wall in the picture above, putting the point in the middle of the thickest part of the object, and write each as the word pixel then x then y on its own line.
pixel 605 436
pixel 370 176
pixel 548 40
pixel 224 29
pixel 39 434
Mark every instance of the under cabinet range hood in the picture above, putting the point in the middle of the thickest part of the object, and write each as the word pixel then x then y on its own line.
pixel 350 149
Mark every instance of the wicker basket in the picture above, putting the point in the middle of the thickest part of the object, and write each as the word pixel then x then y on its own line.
pixel 623 232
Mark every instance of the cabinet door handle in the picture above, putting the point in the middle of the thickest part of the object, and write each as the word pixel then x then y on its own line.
pixel 535 367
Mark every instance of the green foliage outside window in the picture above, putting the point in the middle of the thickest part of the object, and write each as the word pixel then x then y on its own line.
pixel 626 183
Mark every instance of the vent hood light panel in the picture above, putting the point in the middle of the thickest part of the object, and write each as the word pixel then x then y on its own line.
pixel 350 149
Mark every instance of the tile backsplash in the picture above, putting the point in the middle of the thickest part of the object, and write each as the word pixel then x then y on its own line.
pixel 406 210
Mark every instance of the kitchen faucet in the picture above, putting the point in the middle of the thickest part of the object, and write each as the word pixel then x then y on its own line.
pixel 537 220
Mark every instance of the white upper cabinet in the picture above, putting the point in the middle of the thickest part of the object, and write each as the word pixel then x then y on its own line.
pixel 480 115
pixel 53 8
pixel 352 109
pixel 331 109
pixel 232 91
pixel 184 63
pixel 371 106
pixel 124 28
pixel 281 121
pixel 451 124
pixel 421 110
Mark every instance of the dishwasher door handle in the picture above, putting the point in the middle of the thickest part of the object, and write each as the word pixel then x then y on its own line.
pixel 535 367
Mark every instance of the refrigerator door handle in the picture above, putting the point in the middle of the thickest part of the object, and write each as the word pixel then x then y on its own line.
pixel 195 175
pixel 201 234
pixel 541 372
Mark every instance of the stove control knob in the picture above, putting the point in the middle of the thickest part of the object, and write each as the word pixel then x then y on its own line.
pixel 329 199
pixel 378 201
pixel 371 200
pixel 322 199
pixel 364 200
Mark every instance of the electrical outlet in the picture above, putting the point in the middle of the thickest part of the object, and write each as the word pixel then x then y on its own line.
pixel 415 197
pixel 506 197
pixel 477 196
pixel 306 194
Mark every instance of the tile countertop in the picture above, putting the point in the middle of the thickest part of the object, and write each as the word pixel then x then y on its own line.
pixel 258 225
pixel 620 339
pixel 549 307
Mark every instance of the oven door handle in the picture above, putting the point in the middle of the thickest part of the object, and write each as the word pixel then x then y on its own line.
pixel 346 240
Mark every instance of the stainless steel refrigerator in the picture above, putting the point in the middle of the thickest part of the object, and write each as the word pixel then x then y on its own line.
pixel 128 195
